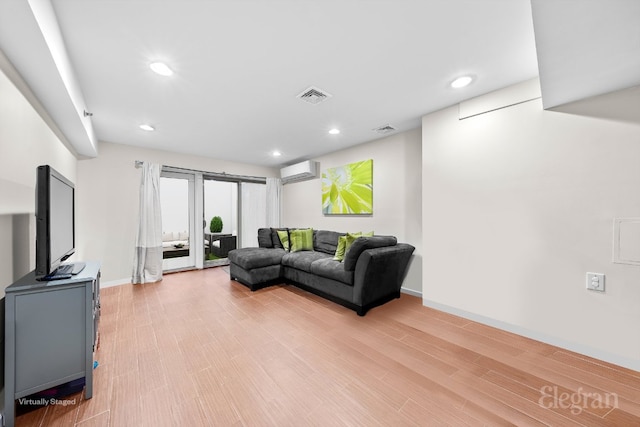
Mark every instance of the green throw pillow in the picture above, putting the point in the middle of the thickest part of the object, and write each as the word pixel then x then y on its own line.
pixel 339 255
pixel 344 243
pixel 284 239
pixel 301 240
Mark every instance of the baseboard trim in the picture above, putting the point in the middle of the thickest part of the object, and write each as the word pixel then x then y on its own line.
pixel 615 359
pixel 411 292
pixel 118 282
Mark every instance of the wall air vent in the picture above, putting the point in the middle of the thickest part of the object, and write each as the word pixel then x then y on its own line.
pixel 313 95
pixel 385 129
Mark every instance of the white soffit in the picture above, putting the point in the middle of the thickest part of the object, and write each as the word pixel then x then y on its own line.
pixel 41 47
pixel 586 48
pixel 502 98
pixel 621 105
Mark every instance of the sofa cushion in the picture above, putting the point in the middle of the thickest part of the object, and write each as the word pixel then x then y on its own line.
pixel 332 269
pixel 302 260
pixel 301 239
pixel 348 241
pixel 264 238
pixel 275 238
pixel 326 241
pixel 249 258
pixel 363 243
pixel 169 236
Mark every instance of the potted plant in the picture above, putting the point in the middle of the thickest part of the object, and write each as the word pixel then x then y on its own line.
pixel 216 224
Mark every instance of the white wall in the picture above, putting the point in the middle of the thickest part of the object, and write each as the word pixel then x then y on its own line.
pixel 107 201
pixel 518 204
pixel 396 196
pixel 6 257
pixel 26 142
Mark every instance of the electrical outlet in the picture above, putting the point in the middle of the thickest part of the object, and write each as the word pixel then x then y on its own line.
pixel 595 282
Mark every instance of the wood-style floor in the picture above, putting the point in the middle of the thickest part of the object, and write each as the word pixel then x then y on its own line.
pixel 199 349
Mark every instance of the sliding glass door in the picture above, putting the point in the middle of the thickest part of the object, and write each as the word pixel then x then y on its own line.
pixel 205 215
pixel 177 204
pixel 220 201
pixel 233 212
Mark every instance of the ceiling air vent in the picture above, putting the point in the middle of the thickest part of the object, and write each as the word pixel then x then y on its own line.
pixel 385 129
pixel 313 95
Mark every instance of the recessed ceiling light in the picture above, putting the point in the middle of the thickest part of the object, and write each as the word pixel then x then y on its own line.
pixel 147 127
pixel 334 131
pixel 161 68
pixel 461 82
pixel 276 153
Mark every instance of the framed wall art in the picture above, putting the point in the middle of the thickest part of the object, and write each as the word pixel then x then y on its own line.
pixel 348 189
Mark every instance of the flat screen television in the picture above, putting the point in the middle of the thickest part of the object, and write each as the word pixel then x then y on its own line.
pixel 55 221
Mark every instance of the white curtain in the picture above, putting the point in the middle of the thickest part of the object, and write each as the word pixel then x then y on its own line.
pixel 254 212
pixel 147 259
pixel 274 202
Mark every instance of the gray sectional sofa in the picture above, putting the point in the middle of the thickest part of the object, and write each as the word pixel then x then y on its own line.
pixel 371 273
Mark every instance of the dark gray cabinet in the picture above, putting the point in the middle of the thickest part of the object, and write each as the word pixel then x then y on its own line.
pixel 51 330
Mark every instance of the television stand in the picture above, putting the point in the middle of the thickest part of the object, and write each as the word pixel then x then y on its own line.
pixel 51 330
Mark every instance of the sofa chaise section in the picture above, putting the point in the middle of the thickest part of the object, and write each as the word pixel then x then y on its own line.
pixel 256 267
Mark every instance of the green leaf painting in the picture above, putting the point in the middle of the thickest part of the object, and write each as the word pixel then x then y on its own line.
pixel 348 189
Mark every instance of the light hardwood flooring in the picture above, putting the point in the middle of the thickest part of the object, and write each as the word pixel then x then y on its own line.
pixel 199 349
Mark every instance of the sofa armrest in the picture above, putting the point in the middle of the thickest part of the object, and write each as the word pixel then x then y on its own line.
pixel 380 272
pixel 363 243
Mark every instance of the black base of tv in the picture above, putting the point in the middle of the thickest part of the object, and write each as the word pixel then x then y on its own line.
pixel 65 271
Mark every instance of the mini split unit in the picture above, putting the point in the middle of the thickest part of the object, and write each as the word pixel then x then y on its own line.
pixel 299 172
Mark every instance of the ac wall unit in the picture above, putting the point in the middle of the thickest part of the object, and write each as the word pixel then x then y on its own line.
pixel 299 172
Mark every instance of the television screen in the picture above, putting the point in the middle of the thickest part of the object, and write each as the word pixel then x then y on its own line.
pixel 55 231
pixel 61 218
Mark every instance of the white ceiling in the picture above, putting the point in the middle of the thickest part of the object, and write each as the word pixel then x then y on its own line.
pixel 239 65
